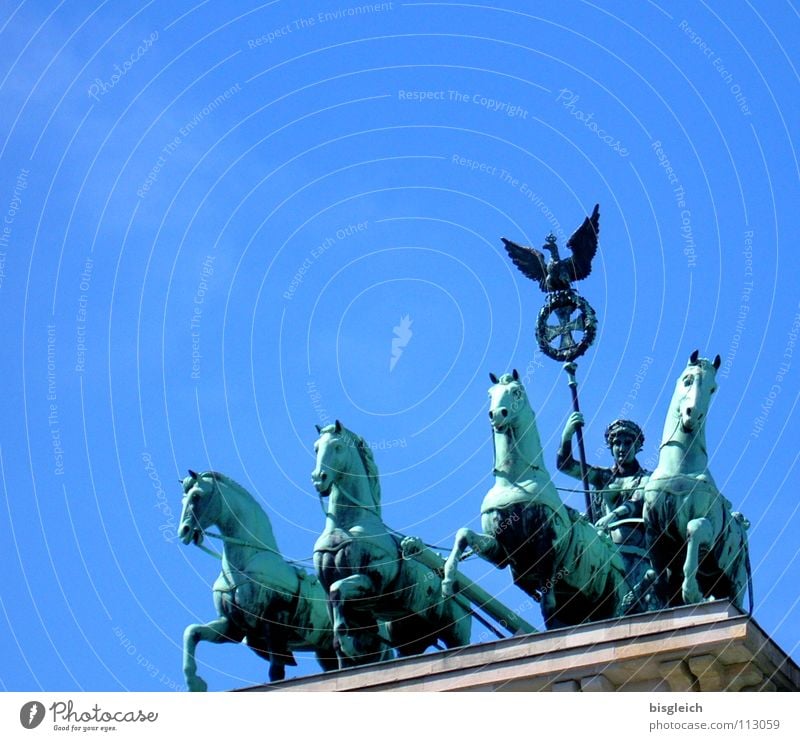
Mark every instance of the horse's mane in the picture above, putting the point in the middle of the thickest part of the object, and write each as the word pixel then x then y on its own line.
pixel 371 468
pixel 365 453
pixel 228 481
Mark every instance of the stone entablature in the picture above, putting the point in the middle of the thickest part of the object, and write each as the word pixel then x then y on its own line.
pixel 707 647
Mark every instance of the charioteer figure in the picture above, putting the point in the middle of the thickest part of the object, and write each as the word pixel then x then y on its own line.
pixel 619 492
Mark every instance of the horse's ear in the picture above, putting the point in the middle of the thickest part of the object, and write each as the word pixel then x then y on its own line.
pixel 492 377
pixel 338 427
pixel 693 357
pixel 193 474
pixel 319 429
pixel 515 375
pixel 717 362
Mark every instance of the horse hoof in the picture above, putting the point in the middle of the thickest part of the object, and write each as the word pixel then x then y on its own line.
pixel 691 597
pixel 197 684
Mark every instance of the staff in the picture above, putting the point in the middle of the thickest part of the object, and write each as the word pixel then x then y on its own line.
pixel 570 369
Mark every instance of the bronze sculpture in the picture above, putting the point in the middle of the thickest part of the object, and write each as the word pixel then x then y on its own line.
pixel 555 554
pixel 697 543
pixel 573 314
pixel 277 606
pixel 618 496
pixel 360 563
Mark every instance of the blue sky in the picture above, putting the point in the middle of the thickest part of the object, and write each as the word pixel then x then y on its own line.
pixel 215 217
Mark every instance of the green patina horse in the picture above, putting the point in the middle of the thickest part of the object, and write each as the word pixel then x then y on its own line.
pixel 276 606
pixel 555 554
pixel 360 563
pixel 697 544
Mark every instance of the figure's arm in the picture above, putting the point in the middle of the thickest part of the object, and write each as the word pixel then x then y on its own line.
pixel 567 464
pixel 630 508
pixel 625 511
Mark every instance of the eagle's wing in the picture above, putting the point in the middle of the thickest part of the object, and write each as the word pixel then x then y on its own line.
pixel 528 260
pixel 584 246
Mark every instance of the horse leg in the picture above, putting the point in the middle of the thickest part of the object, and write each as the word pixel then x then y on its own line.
pixel 271 646
pixel 621 588
pixel 643 597
pixel 455 622
pixel 220 630
pixel 664 582
pixel 341 592
pixel 700 535
pixel 484 545
pixel 386 652
pixel 259 644
pixel 548 608
pixel 327 660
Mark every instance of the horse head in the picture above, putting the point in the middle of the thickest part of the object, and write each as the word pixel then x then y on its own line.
pixel 694 389
pixel 331 452
pixel 201 506
pixel 507 400
pixel 344 458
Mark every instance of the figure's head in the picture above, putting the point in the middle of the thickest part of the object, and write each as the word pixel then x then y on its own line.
pixel 201 506
pixel 507 399
pixel 695 387
pixel 624 439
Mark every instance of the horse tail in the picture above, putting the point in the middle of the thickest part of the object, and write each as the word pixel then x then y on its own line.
pixel 749 572
pixel 744 525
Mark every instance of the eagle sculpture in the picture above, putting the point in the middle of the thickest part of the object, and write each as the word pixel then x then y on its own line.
pixel 558 274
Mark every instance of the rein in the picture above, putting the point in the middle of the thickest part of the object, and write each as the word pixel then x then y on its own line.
pixel 208 550
pixel 671 437
pixel 672 441
pixel 244 543
pixel 355 504
pixel 247 544
pixel 391 529
pixel 529 466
